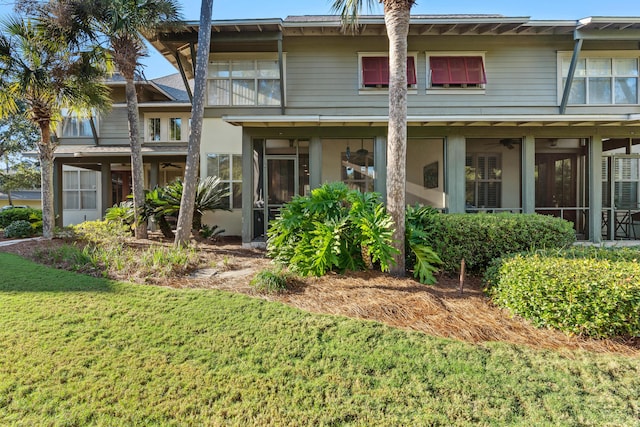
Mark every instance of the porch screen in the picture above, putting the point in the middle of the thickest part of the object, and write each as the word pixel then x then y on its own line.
pixel 457 70
pixel 375 71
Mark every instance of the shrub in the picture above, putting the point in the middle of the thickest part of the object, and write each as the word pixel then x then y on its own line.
pixel 480 238
pixel 101 231
pixel 591 292
pixel 8 216
pixel 19 229
pixel 333 228
pixel 270 281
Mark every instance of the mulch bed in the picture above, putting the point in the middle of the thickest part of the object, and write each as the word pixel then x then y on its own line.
pixel 438 310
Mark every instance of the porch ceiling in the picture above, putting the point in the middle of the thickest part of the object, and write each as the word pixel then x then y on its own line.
pixel 620 120
pixel 76 151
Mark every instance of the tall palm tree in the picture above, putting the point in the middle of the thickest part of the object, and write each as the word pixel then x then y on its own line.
pixel 396 19
pixel 122 24
pixel 183 229
pixel 47 73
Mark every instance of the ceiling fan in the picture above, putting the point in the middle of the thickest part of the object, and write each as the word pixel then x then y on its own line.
pixel 170 165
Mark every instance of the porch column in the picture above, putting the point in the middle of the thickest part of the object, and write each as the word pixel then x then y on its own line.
pixel 247 186
pixel 315 162
pixel 105 185
pixel 154 173
pixel 380 156
pixel 595 188
pixel 528 174
pixel 454 173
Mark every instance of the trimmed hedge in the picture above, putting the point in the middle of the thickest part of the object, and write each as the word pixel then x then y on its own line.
pixel 584 291
pixel 19 214
pixel 480 238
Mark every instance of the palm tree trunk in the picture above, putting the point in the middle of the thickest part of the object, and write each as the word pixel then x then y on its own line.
pixel 186 217
pixel 397 24
pixel 137 166
pixel 46 167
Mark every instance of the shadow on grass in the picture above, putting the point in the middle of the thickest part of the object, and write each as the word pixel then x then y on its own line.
pixel 20 275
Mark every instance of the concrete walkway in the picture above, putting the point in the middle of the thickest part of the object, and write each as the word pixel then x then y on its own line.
pixel 13 242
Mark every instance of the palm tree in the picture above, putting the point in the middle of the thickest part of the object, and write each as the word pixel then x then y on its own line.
pixel 396 18
pixel 186 217
pixel 122 23
pixel 47 73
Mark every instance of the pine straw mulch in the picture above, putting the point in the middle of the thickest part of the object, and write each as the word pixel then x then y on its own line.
pixel 438 310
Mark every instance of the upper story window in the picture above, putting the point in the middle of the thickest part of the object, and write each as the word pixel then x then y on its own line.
pixel 602 79
pixel 73 125
pixel 456 71
pixel 166 127
pixel 244 82
pixel 374 71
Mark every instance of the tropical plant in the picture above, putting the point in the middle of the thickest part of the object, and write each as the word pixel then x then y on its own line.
pixel 47 72
pixel 396 18
pixel 187 202
pixel 333 228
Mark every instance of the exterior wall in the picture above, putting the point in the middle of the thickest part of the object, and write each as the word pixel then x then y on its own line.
pixel 221 138
pixel 422 153
pixel 35 204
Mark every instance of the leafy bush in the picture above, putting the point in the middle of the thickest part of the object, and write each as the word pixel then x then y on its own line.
pixel 420 257
pixel 101 231
pixel 19 229
pixel 480 238
pixel 334 228
pixel 270 281
pixel 8 216
pixel 593 292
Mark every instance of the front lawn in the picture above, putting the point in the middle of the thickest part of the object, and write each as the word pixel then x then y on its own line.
pixel 78 350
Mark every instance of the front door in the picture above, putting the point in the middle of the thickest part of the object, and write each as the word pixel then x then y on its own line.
pixel 282 183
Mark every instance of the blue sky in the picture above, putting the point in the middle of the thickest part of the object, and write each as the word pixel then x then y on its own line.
pixel 157 66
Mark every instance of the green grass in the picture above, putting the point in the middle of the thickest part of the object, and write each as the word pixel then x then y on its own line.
pixel 84 351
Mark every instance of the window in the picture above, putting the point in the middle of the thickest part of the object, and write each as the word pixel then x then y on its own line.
pixel 244 82
pixel 456 72
pixel 166 127
pixel 175 129
pixel 375 71
pixel 358 170
pixel 79 190
pixel 153 129
pixel 228 167
pixel 483 181
pixel 75 126
pixel 602 80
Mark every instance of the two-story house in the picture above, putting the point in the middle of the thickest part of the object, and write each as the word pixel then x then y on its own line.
pixel 504 114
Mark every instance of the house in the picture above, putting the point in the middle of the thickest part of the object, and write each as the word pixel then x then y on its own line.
pixel 30 198
pixel 504 114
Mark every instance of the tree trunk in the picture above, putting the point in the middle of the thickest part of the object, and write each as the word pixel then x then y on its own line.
pixel 137 167
pixel 397 23
pixel 46 149
pixel 185 218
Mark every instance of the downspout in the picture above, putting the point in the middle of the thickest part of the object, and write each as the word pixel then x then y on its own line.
pixel 281 69
pixel 572 70
pixel 176 55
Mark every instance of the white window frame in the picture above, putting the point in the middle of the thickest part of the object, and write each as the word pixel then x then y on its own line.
pixel 79 189
pixel 231 180
pixel 411 90
pixel 248 56
pixel 165 120
pixel 590 54
pixel 479 90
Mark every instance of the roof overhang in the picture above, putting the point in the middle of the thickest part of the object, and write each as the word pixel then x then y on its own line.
pixel 549 120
